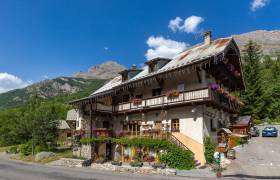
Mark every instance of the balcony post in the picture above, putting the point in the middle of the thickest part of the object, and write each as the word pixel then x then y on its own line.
pixel 90 115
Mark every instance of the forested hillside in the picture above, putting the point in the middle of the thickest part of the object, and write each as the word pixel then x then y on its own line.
pixel 59 87
pixel 37 112
pixel 262 77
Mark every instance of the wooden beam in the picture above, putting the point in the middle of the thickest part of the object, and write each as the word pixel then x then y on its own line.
pixel 198 75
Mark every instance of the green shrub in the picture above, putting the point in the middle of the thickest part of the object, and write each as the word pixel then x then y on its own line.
pixel 41 148
pixel 257 121
pixel 25 149
pixel 178 158
pixel 209 150
pixel 241 141
pixel 13 150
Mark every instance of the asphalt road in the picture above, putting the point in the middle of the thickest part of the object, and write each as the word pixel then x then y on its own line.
pixel 260 159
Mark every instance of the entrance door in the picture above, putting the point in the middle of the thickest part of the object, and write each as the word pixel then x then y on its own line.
pixel 109 151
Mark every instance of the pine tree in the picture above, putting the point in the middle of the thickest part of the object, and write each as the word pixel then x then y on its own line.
pixel 252 96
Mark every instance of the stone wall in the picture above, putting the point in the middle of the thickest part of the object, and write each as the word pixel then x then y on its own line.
pixel 87 151
pixel 129 169
pixel 84 151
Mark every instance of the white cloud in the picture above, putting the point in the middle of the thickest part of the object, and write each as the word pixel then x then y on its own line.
pixel 9 82
pixel 190 25
pixel 174 24
pixel 257 4
pixel 161 47
pixel 106 48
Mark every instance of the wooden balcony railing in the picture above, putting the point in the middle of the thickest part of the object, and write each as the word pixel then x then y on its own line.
pixel 99 132
pixel 163 100
pixel 199 95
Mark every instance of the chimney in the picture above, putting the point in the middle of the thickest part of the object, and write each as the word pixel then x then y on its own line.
pixel 207 37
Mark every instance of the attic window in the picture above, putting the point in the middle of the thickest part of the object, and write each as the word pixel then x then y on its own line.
pixel 129 73
pixel 157 63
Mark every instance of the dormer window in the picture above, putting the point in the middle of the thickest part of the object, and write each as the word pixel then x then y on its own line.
pixel 157 63
pixel 129 73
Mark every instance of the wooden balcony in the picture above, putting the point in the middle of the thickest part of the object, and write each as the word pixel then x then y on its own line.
pixel 204 95
pixel 153 134
pixel 163 100
pixel 99 132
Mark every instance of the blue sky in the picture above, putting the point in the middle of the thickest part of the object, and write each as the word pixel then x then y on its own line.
pixel 50 38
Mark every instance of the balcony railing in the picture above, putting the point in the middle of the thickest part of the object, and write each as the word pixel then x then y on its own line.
pixel 200 95
pixel 163 100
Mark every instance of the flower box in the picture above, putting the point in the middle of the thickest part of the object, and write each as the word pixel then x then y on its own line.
pixel 136 101
pixel 172 94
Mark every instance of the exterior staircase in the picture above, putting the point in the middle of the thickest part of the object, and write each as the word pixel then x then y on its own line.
pixel 188 143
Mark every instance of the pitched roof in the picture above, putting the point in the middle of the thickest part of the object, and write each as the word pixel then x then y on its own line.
pixel 189 56
pixel 243 120
pixel 63 125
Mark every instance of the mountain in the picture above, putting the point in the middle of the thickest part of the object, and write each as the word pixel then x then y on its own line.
pixel 64 87
pixel 107 70
pixel 269 40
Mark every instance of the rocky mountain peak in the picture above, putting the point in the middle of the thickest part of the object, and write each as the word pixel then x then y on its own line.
pixel 269 40
pixel 107 70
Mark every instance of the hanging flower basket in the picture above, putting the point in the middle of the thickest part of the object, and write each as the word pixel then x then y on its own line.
pixel 236 74
pixel 136 101
pixel 172 94
pixel 214 86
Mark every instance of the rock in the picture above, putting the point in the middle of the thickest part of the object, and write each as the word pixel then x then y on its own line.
pixel 107 70
pixel 129 169
pixel 269 40
pixel 43 155
pixel 67 162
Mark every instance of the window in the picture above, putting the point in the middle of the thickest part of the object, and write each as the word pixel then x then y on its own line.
pixel 175 125
pixel 156 92
pixel 106 124
pixel 125 98
pixel 181 87
pixel 212 125
pixel 78 123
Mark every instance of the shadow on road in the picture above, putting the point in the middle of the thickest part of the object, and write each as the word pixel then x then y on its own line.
pixel 252 176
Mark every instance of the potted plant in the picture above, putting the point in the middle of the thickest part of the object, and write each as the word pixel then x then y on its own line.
pixel 172 93
pixel 218 169
pixel 136 101
pixel 116 163
pixel 136 164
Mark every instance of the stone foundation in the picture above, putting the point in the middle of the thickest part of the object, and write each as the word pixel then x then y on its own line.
pixel 67 162
pixel 128 168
